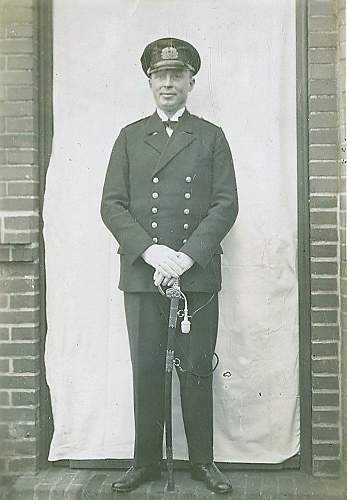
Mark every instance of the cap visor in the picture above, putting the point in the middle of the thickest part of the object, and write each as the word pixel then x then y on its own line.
pixel 168 64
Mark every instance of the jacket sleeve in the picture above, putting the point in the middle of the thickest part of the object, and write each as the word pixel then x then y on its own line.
pixel 205 239
pixel 115 204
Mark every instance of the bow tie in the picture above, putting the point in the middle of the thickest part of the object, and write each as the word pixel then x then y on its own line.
pixel 170 124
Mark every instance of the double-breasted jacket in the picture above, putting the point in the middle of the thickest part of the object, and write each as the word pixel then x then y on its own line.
pixel 178 191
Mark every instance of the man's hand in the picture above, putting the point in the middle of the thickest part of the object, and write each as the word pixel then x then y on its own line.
pixel 164 260
pixel 185 263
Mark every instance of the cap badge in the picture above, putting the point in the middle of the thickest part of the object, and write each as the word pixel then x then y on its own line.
pixel 169 53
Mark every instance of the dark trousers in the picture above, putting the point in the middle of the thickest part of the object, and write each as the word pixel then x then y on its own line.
pixel 147 322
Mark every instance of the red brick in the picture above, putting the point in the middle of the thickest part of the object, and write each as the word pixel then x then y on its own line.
pixel 324 268
pixel 25 333
pixel 325 382
pixel 323 103
pixel 328 366
pixel 323 151
pixel 322 55
pixel 322 40
pixel 21 93
pixel 4 254
pixel 20 62
pixel 325 332
pixel 321 71
pixel 30 188
pixel 18 285
pixel 24 300
pixel 27 157
pixel 4 398
pixel 16 77
pixel 23 237
pixel 19 204
pixel 326 467
pixel 326 234
pixel 323 168
pixel 324 316
pixel 16 46
pixel 26 365
pixel 320 8
pixel 21 414
pixel 2 63
pixel 326 450
pixel 324 300
pixel 4 333
pixel 24 108
pixel 12 447
pixel 330 399
pixel 15 317
pixel 325 433
pixel 323 201
pixel 25 253
pixel 3 189
pixel 322 86
pixel 21 124
pixel 323 218
pixel 23 430
pixel 10 270
pixel 322 23
pixel 325 416
pixel 324 136
pixel 20 31
pixel 4 301
pixel 2 124
pixel 28 398
pixel 21 222
pixel 4 365
pixel 323 119
pixel 18 140
pixel 23 464
pixel 19 381
pixel 15 172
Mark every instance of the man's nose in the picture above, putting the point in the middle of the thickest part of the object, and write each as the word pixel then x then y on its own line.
pixel 168 80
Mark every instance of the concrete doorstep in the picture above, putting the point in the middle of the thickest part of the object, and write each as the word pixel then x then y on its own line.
pixel 57 483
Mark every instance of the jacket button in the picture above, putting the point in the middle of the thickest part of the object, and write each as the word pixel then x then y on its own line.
pixel 185 226
pixel 184 241
pixel 186 211
pixel 186 195
pixel 155 195
pixel 154 210
pixel 154 225
pixel 155 180
pixel 188 179
pixel 155 240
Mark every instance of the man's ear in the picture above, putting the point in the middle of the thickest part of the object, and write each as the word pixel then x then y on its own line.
pixel 192 83
pixel 150 82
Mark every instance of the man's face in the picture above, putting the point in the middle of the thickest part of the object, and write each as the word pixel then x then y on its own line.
pixel 170 88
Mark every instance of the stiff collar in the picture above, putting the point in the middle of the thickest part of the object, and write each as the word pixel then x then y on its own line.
pixel 174 118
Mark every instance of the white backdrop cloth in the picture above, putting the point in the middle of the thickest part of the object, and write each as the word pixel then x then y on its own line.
pixel 246 85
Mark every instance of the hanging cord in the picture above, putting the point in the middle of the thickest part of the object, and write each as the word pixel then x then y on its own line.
pixel 177 363
pixel 185 327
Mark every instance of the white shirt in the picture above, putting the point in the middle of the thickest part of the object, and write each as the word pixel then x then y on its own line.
pixel 174 118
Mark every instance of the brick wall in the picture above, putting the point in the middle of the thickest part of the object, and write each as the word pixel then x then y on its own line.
pixel 324 168
pixel 341 95
pixel 19 236
pixel 20 156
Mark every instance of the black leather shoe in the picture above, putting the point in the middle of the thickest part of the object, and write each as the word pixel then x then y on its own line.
pixel 135 476
pixel 212 477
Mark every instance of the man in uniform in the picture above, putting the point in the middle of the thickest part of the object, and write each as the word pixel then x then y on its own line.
pixel 169 199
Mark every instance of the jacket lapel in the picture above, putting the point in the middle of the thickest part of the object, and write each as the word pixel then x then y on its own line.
pixel 155 134
pixel 180 139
